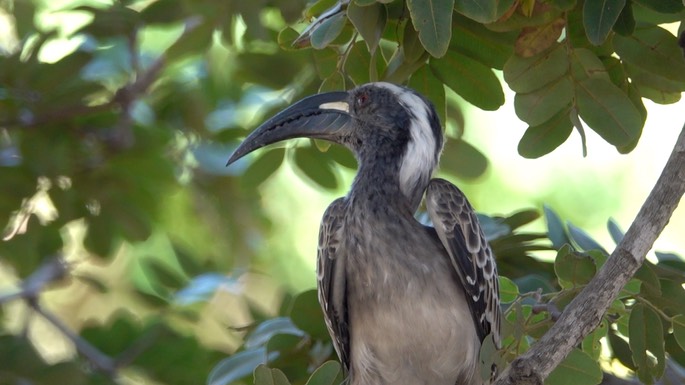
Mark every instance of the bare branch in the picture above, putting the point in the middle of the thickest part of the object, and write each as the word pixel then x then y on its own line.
pixel 585 312
pixel 99 360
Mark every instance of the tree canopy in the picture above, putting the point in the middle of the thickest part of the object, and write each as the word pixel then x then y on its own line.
pixel 131 254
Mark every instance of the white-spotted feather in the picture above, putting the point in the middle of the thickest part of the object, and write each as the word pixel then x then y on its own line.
pixel 459 231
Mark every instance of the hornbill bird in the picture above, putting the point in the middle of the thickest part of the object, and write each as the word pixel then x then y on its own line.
pixel 405 304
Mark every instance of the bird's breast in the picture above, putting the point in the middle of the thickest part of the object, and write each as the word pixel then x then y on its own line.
pixel 409 320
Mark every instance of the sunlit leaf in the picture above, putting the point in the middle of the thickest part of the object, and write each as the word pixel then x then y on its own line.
pixel 508 290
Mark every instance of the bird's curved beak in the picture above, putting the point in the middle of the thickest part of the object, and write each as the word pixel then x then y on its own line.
pixel 322 116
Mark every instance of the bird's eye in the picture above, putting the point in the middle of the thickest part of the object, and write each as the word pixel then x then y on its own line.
pixel 362 99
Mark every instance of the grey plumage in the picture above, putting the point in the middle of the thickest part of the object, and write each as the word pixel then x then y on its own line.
pixel 405 303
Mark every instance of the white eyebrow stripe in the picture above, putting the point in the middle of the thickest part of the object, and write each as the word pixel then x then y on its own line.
pixel 420 157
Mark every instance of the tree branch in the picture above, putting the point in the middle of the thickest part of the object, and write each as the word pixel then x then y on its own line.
pixel 585 312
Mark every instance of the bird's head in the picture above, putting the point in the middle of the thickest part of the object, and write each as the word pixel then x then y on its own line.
pixel 385 125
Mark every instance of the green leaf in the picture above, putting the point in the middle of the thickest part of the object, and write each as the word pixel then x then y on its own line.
pixel 263 375
pixel 662 6
pixel 478 42
pixel 529 74
pixel 483 11
pixel 433 21
pixel 428 85
pixel 335 82
pixel 329 373
pixel 508 291
pixel 470 79
pixel 598 18
pixel 369 22
pixel 286 38
pixel 653 49
pixel 621 350
pixel 325 33
pixel 625 25
pixel 537 39
pixel 544 138
pixel 194 40
pixel 649 278
pixel 672 298
pixel 521 218
pixel 578 368
pixel 541 105
pixel 263 167
pixel 307 315
pixel 631 289
pixel 573 268
pixel 462 160
pixel 237 366
pixel 585 64
pixel 359 66
pixel 269 328
pixel 678 324
pixel 411 45
pixel 591 344
pixel 555 228
pixel 646 336
pixel 608 111
pixel 326 61
pixel 312 163
pixel 584 241
pixel 615 230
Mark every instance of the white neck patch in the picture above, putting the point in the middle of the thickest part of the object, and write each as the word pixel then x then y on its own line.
pixel 419 160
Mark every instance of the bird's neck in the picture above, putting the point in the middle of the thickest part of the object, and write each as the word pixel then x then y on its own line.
pixel 378 183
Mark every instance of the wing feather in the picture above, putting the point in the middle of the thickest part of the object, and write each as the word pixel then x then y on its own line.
pixel 457 226
pixel 332 285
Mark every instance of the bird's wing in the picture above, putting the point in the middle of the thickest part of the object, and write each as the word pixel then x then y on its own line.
pixel 331 280
pixel 458 229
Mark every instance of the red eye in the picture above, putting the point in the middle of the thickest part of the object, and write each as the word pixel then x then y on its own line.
pixel 362 99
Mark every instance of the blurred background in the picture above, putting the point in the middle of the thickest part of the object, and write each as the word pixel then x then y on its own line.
pixel 116 121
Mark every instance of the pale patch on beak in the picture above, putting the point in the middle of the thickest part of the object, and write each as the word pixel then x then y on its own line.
pixel 340 106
